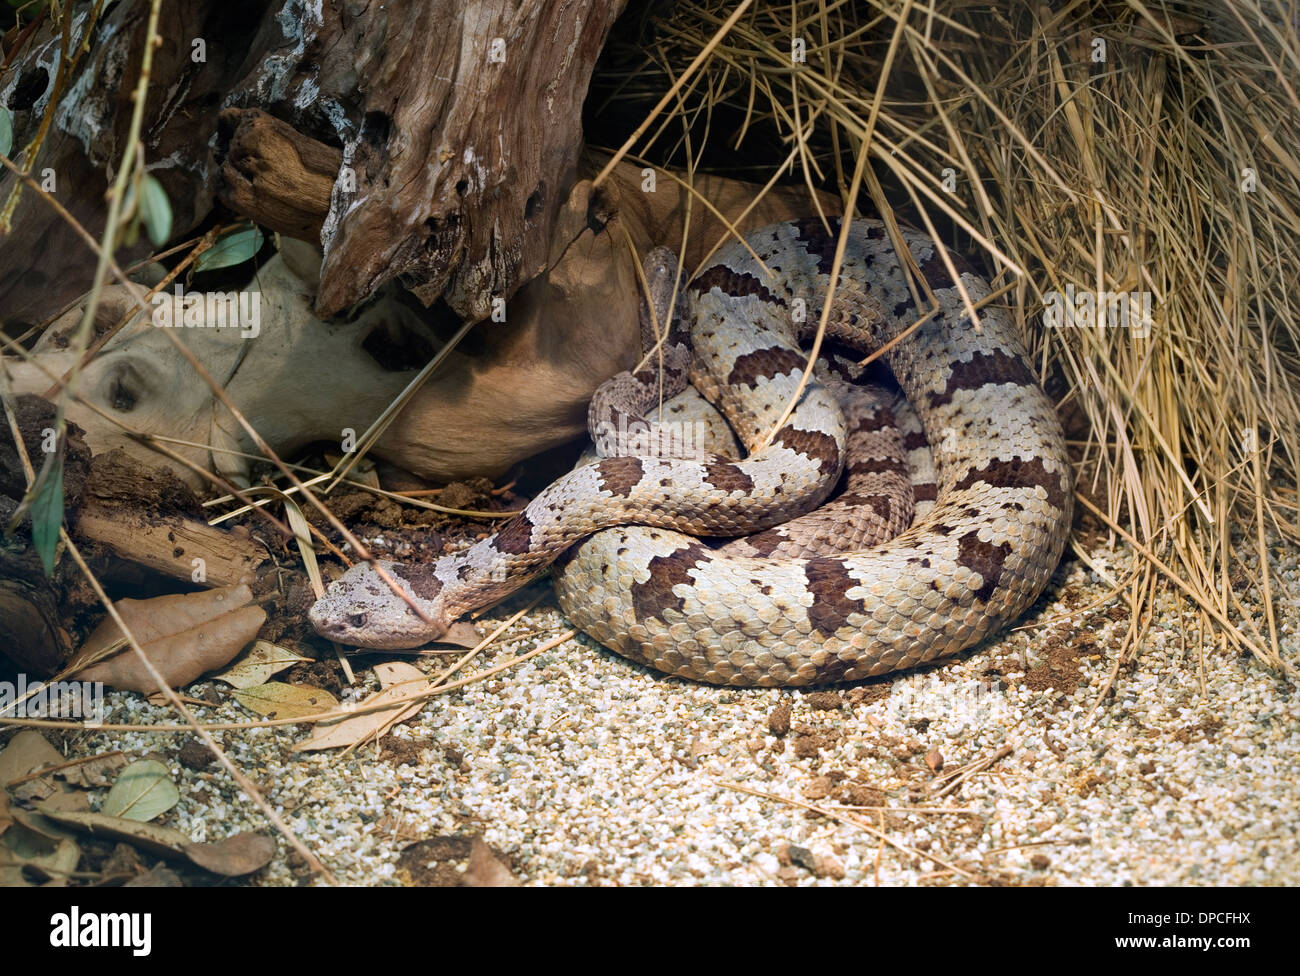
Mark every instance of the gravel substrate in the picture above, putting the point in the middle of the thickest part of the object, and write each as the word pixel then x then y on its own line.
pixel 581 768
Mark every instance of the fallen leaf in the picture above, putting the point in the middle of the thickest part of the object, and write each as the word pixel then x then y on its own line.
pixel 233 247
pixel 262 661
pixel 124 863
pixel 241 854
pixel 34 789
pixel 71 801
pixel 36 821
pixel 183 635
pixel 46 506
pixel 143 791
pixel 400 682
pixel 485 870
pixel 275 699
pixel 96 772
pixel 302 536
pixel 461 634
pixel 160 700
pixel 26 852
pixel 27 751
pixel 162 841
pixel 6 821
pixel 155 210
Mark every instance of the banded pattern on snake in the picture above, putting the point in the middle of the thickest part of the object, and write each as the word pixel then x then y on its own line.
pixel 623 532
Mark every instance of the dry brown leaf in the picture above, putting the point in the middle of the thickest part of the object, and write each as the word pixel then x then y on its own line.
pixel 400 682
pixel 461 634
pixel 241 854
pixel 161 841
pixel 96 772
pixel 485 870
pixel 238 855
pixel 262 661
pixel 70 802
pixel 183 635
pixel 453 861
pixel 27 851
pixel 275 699
pixel 26 751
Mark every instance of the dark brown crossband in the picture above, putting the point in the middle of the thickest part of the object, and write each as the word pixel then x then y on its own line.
pixel 734 283
pixel 829 581
pixel 1017 473
pixel 655 595
pixel 982 369
pixel 764 364
pixel 619 475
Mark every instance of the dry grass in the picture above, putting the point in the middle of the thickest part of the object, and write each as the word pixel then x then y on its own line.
pixel 1167 168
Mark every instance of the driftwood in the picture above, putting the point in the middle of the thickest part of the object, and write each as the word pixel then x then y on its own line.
pixel 479 223
pixel 147 516
pixel 458 127
pixel 472 125
pixel 274 174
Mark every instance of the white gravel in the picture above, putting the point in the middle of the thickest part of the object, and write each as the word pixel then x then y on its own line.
pixel 581 768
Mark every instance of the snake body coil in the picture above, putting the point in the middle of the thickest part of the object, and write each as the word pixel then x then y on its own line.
pixel 991 521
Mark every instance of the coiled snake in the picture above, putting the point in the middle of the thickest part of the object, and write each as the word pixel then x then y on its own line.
pixel 785 607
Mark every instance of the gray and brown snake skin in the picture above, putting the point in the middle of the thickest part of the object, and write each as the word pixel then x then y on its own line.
pixel 987 535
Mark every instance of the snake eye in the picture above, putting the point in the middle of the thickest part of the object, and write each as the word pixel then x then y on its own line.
pixel 357 619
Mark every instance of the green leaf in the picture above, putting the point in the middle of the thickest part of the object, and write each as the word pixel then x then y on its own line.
pixel 45 503
pixel 142 792
pixel 230 249
pixel 155 210
pixel 6 131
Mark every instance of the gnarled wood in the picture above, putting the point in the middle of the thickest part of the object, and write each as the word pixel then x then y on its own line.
pixel 471 134
pixel 274 174
pixel 459 123
pixel 148 516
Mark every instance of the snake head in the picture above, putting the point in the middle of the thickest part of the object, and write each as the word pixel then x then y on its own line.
pixel 360 607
